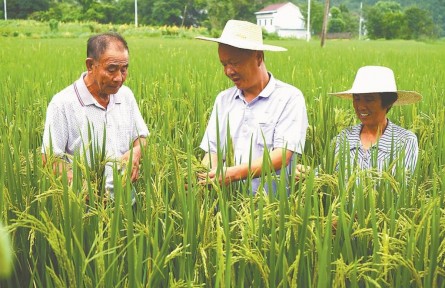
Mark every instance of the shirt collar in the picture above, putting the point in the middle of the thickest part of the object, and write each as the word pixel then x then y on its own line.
pixel 266 92
pixel 387 134
pixel 85 96
pixel 354 137
pixel 387 137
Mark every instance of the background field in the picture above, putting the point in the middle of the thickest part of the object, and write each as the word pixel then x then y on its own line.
pixel 390 233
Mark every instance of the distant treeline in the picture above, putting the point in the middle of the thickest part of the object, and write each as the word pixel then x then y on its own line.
pixel 403 19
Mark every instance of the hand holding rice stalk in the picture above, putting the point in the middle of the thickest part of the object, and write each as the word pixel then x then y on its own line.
pixel 5 253
pixel 183 160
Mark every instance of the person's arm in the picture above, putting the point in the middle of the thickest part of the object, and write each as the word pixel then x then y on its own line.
pixel 138 145
pixel 241 171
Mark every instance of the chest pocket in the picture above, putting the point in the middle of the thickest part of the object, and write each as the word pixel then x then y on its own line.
pixel 265 134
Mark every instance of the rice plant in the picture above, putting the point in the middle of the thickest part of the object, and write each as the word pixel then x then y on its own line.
pixel 335 229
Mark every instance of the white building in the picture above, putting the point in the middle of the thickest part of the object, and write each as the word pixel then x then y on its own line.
pixel 285 19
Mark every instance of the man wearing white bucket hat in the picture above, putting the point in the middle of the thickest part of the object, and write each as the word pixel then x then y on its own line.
pixel 376 141
pixel 260 112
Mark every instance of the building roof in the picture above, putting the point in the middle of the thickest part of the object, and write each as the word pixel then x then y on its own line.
pixel 273 7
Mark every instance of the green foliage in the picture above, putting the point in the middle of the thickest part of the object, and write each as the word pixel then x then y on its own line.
pixel 316 16
pixel 100 12
pixel 341 20
pixel 418 23
pixel 336 23
pixel 436 9
pixel 387 20
pixel 37 29
pixel 20 9
pixel 213 14
pixel 167 11
pixel 5 253
pixel 269 36
pixel 220 13
pixel 53 25
pixel 61 11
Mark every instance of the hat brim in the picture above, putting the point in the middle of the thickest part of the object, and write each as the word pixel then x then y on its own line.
pixel 403 97
pixel 244 44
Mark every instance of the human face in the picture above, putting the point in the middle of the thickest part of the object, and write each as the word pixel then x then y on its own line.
pixel 241 66
pixel 110 71
pixel 368 108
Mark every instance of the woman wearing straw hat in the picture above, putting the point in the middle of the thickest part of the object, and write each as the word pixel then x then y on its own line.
pixel 376 141
pixel 258 114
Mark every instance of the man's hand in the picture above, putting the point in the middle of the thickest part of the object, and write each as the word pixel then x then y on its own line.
pixel 58 167
pixel 137 155
pixel 230 174
pixel 135 161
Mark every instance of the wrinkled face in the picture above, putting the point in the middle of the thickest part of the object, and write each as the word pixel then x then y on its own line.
pixel 110 71
pixel 241 66
pixel 368 108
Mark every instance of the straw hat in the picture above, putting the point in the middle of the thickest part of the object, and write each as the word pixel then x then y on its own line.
pixel 376 79
pixel 244 35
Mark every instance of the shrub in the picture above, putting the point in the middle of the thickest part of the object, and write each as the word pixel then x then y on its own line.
pixel 53 25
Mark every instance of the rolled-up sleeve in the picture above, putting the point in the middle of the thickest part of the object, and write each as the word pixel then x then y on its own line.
pixel 140 127
pixel 208 143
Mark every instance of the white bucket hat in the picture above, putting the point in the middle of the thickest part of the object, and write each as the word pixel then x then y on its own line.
pixel 377 79
pixel 244 35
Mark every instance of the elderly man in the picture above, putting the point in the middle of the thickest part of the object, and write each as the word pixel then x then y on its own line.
pixel 94 107
pixel 260 112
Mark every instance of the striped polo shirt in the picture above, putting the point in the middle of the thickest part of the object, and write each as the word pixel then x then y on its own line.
pixel 395 143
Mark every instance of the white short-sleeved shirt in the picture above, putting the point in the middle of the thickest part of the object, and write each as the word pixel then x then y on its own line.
pixel 74 109
pixel 394 140
pixel 276 118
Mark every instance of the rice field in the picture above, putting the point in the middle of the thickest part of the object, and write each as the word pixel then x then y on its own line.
pixel 373 230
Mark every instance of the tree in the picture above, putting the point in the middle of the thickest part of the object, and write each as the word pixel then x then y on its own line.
pixel 86 4
pixel 351 19
pixel 316 16
pixel 193 13
pixel 21 9
pixel 218 13
pixel 167 12
pixel 336 23
pixel 437 10
pixel 245 9
pixel 125 12
pixel 387 20
pixel 383 20
pixel 101 12
pixel 418 23
pixel 61 11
